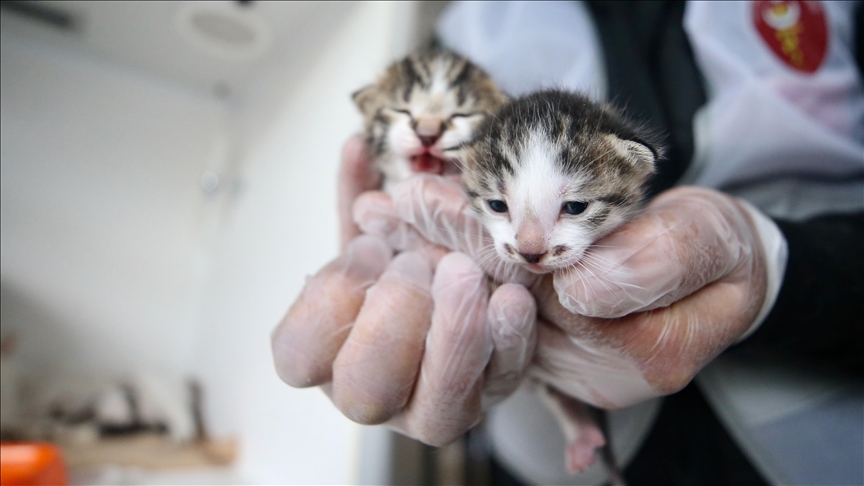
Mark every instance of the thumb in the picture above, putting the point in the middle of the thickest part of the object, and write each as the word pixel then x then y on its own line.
pixel 439 210
pixel 357 174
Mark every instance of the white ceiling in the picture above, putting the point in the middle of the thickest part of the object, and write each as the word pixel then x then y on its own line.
pixel 150 37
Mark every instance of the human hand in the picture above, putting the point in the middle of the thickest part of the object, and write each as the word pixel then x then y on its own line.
pixel 447 223
pixel 648 306
pixel 356 176
pixel 392 341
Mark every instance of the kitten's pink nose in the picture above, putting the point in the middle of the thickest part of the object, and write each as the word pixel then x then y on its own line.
pixel 531 241
pixel 533 257
pixel 428 129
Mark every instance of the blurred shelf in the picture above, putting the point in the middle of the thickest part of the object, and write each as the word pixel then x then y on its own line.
pixel 150 450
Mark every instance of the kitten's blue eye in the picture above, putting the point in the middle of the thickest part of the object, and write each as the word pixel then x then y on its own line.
pixel 574 207
pixel 498 206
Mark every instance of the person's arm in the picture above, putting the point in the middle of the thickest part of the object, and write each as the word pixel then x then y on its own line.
pixel 819 312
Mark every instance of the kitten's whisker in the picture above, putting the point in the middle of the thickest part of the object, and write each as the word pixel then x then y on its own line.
pixel 614 271
pixel 597 278
pixel 608 266
pixel 598 265
pixel 486 258
pixel 581 276
pixel 601 259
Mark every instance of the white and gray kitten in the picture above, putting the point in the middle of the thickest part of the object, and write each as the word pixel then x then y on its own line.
pixel 551 173
pixel 431 101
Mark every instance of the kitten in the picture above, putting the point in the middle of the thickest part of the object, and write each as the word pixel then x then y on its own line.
pixel 429 102
pixel 551 173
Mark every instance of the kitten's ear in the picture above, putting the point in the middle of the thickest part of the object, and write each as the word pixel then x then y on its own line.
pixel 642 155
pixel 364 98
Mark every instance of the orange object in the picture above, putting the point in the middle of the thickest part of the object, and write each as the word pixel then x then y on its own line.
pixel 32 464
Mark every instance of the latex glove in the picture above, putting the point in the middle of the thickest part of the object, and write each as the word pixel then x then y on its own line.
pixel 407 222
pixel 356 176
pixel 414 341
pixel 694 251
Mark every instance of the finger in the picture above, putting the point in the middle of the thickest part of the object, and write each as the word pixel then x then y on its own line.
pixel 679 340
pixel 686 239
pixel 439 210
pixel 511 318
pixel 374 373
pixel 307 340
pixel 666 346
pixel 375 214
pixel 356 175
pixel 447 398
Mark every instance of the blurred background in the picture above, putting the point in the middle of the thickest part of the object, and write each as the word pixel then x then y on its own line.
pixel 168 181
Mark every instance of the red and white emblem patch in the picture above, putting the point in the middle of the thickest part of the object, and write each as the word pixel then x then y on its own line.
pixel 795 30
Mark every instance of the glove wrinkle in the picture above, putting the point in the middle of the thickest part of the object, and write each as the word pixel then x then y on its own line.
pixel 310 335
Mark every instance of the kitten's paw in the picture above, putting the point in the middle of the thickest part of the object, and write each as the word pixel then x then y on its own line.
pixel 580 451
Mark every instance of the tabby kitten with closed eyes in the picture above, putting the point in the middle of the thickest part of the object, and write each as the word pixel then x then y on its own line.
pixel 429 102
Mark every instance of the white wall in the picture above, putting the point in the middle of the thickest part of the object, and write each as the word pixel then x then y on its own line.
pixel 113 258
pixel 102 218
pixel 284 228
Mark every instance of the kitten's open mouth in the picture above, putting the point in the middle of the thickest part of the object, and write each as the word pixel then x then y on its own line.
pixel 428 163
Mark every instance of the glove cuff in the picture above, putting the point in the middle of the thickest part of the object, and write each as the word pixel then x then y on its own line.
pixel 776 252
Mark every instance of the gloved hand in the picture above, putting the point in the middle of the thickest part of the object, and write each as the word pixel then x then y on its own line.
pixel 414 341
pixel 645 310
